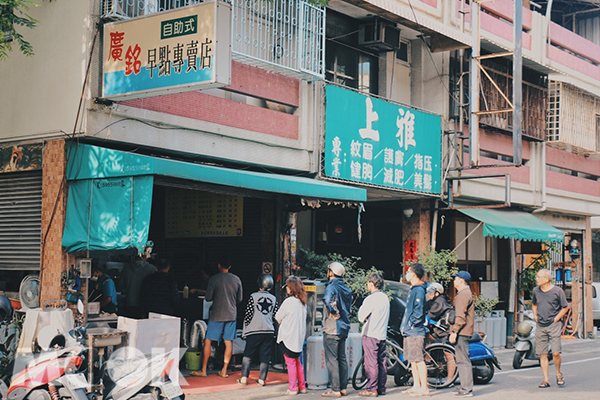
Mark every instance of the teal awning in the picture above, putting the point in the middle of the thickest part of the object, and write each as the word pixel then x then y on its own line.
pixel 110 193
pixel 513 224
pixel 92 162
pixel 108 213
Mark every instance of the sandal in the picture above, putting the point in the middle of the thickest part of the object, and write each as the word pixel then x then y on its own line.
pixel 198 373
pixel 544 385
pixel 408 391
pixel 331 393
pixel 367 393
pixel 222 375
pixel 560 380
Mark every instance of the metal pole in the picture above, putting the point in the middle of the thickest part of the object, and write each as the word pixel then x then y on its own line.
pixel 474 87
pixel 518 82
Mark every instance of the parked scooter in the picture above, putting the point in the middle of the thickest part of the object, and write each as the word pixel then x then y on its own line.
pixel 525 342
pixel 483 360
pixel 128 374
pixel 58 373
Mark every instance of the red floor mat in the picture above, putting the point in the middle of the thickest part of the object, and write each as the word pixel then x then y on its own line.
pixel 214 383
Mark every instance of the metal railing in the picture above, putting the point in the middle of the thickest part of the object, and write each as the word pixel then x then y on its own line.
pixel 285 36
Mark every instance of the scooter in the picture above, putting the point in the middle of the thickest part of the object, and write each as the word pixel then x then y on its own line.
pixel 483 360
pixel 129 374
pixel 53 375
pixel 525 341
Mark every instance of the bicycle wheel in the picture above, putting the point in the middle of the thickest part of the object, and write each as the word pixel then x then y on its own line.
pixel 393 354
pixel 359 377
pixel 436 359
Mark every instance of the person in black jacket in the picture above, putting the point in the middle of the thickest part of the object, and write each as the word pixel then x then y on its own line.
pixel 438 307
pixel 159 291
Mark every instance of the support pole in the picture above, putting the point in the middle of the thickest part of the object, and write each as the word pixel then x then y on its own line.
pixel 518 82
pixel 474 87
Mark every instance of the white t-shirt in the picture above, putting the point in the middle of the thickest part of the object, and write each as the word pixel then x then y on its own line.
pixel 292 324
pixel 376 307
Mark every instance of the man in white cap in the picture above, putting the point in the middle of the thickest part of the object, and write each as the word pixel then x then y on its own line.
pixel 336 325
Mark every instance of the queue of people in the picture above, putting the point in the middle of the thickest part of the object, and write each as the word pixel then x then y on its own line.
pixel 159 293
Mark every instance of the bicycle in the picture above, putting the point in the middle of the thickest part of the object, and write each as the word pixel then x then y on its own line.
pixel 435 360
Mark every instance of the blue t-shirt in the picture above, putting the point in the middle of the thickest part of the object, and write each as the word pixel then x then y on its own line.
pixel 108 288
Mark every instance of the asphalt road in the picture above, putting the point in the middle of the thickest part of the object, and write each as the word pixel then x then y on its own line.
pixel 581 369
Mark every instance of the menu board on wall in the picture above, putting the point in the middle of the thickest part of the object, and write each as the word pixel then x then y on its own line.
pixel 193 213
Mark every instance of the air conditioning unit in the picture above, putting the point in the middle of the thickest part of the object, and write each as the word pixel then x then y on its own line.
pixel 379 35
pixel 125 9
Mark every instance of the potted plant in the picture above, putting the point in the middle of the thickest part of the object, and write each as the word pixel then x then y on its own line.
pixel 483 309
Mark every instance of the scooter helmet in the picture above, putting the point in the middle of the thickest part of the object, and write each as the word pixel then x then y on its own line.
pixel 524 328
pixel 436 287
pixel 6 310
pixel 265 282
pixel 337 268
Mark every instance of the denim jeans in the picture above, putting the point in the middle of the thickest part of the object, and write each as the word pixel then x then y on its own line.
pixel 335 358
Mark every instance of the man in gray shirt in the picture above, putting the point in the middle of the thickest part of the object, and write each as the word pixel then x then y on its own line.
pixel 225 291
pixel 549 306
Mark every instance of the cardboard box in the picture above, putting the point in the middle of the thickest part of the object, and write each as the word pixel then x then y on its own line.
pixel 157 334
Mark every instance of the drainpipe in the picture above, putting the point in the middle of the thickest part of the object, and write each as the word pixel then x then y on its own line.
pixel 543 168
pixel 434 226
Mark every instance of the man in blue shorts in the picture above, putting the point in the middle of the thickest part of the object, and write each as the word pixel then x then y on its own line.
pixel 225 291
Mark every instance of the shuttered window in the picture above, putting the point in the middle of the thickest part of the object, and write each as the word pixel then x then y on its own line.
pixel 20 220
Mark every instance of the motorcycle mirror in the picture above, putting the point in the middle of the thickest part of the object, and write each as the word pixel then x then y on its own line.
pixel 80 306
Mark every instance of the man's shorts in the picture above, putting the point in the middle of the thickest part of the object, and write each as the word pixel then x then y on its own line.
pixel 548 334
pixel 413 348
pixel 215 330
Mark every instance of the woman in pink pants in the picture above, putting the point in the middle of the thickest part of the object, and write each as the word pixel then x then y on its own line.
pixel 292 331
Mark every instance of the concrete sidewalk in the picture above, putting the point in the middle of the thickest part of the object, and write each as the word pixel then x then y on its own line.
pixel 231 391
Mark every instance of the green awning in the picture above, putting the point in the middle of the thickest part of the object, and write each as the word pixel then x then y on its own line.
pixel 513 224
pixel 110 193
pixel 93 162
pixel 108 214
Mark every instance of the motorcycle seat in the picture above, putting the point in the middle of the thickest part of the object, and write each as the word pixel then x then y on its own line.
pixel 475 338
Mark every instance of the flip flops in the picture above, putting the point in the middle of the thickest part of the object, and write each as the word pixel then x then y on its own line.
pixel 544 385
pixel 222 375
pixel 198 373
pixel 560 380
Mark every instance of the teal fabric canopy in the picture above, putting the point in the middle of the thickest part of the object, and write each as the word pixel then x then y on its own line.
pixel 92 162
pixel 512 224
pixel 110 193
pixel 108 214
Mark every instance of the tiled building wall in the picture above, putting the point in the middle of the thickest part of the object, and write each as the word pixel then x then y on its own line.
pixel 54 202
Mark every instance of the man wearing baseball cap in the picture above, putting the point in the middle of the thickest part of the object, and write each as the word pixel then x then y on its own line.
pixel 462 330
pixel 336 325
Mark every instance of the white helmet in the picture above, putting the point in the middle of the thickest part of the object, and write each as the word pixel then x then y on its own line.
pixel 434 286
pixel 337 268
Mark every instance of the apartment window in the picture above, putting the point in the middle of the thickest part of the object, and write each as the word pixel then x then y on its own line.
pixel 345 63
pixel 402 54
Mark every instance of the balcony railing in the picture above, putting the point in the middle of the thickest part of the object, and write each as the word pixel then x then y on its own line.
pixel 573 118
pixel 534 103
pixel 285 36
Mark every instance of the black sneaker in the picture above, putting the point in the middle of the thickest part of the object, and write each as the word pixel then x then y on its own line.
pixel 463 393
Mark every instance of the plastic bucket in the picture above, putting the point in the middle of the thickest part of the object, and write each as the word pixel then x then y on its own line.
pixel 192 360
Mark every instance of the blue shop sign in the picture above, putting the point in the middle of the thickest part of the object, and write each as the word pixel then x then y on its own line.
pixel 375 142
